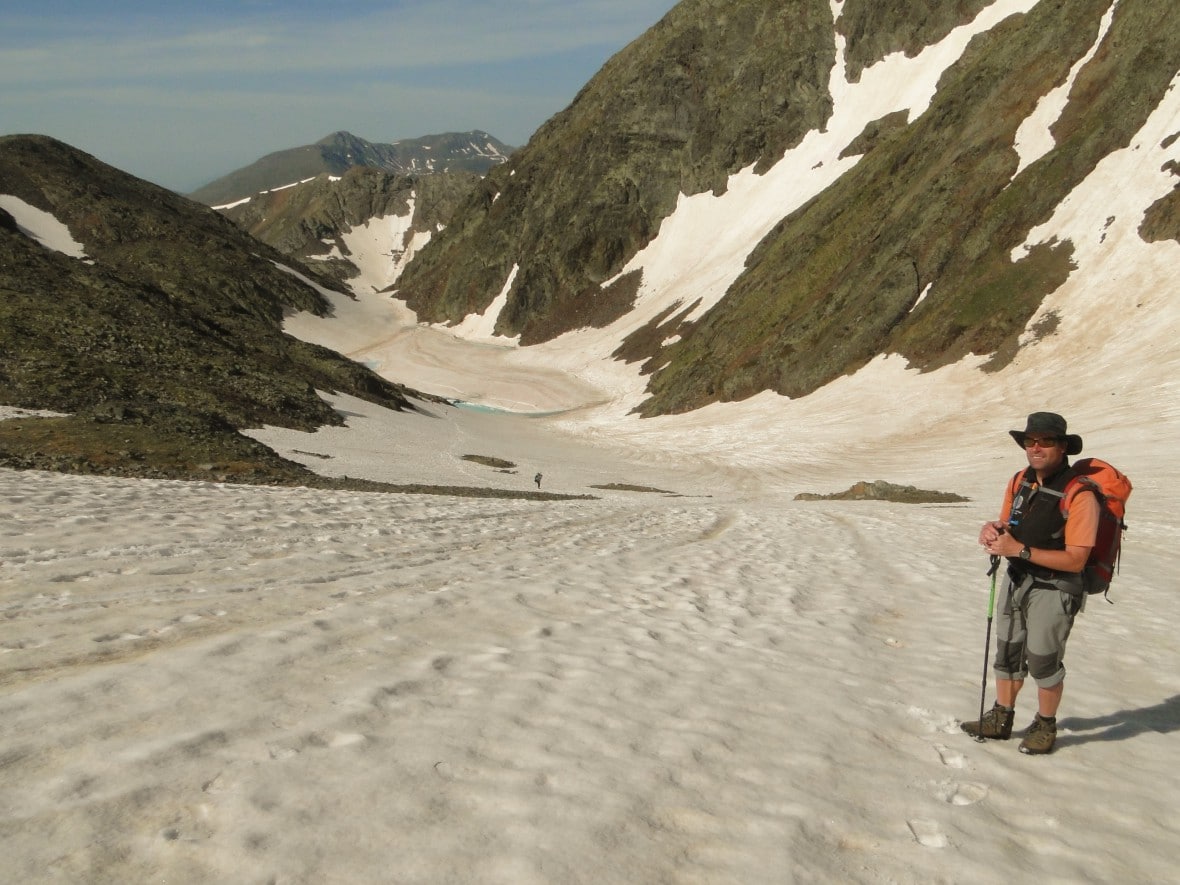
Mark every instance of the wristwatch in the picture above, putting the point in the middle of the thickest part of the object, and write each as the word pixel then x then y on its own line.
pixel 1025 552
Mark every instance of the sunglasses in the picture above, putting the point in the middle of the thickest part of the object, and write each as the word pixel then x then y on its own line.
pixel 1048 442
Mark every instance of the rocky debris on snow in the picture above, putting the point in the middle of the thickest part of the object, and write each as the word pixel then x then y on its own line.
pixel 880 490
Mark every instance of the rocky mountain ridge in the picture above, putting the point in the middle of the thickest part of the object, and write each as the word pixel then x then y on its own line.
pixel 472 152
pixel 163 339
pixel 313 220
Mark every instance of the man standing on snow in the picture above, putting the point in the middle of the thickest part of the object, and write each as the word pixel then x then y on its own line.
pixel 1046 553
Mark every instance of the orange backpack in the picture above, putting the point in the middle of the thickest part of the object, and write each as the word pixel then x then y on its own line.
pixel 1111 488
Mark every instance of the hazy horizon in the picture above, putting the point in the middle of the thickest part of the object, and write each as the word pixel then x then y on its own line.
pixel 181 97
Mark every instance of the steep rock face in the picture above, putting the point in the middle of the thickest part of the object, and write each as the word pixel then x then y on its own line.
pixel 836 282
pixel 307 220
pixel 714 87
pixel 909 252
pixel 471 152
pixel 935 206
pixel 174 309
pixel 875 28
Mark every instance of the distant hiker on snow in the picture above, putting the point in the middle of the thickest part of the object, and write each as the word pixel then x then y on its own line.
pixel 1046 550
pixel 537 480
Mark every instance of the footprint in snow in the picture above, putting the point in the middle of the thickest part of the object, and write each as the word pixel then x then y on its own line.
pixel 951 758
pixel 961 793
pixel 927 833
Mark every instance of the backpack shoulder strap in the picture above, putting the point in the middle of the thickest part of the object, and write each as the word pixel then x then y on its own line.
pixel 1074 487
pixel 1014 485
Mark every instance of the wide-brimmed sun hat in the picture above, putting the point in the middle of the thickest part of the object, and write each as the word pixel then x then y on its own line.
pixel 1048 424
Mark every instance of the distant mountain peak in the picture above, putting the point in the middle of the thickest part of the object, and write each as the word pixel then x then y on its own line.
pixel 339 136
pixel 475 151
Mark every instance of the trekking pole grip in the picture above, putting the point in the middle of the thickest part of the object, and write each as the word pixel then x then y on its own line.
pixel 991 597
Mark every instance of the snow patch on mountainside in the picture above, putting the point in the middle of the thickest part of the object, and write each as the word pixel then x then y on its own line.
pixel 1123 288
pixel 1034 138
pixel 382 247
pixel 703 245
pixel 272 190
pixel 42 227
pixel 482 327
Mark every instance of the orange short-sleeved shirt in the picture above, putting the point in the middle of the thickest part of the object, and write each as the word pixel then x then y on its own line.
pixel 1081 529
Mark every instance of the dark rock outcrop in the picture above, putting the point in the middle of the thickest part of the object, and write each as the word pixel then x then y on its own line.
pixel 172 321
pixel 880 490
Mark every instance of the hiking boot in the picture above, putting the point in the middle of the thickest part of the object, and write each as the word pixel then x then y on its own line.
pixel 1040 737
pixel 996 723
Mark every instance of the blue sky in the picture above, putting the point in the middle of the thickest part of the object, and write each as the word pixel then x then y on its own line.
pixel 182 93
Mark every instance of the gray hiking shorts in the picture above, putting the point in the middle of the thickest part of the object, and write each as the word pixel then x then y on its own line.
pixel 1032 627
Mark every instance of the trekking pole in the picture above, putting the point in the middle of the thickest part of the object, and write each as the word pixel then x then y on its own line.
pixel 987 643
